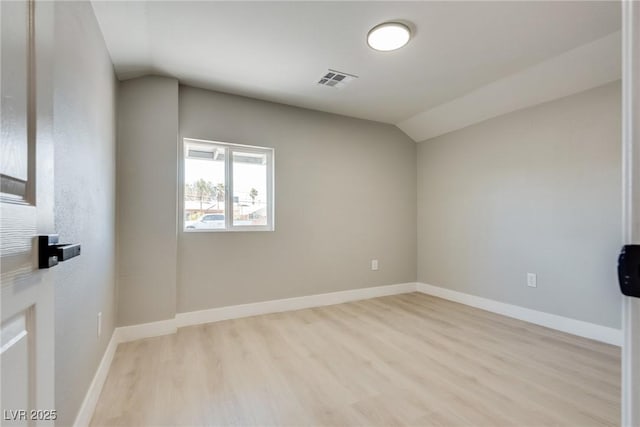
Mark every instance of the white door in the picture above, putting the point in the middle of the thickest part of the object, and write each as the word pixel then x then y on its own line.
pixel 631 200
pixel 26 208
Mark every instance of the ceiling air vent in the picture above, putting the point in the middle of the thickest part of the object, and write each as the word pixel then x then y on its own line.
pixel 335 78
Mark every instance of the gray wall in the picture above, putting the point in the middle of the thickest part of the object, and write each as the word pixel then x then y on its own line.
pixel 146 188
pixel 532 191
pixel 84 138
pixel 345 194
pixel 537 190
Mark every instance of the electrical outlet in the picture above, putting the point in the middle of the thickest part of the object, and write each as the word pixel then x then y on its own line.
pixel 374 264
pixel 99 324
pixel 532 280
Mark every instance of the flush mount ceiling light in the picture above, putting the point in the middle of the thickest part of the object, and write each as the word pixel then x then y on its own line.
pixel 388 36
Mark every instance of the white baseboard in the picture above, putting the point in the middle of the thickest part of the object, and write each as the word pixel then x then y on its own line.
pixel 146 330
pixel 288 304
pixel 553 321
pixel 170 326
pixel 83 418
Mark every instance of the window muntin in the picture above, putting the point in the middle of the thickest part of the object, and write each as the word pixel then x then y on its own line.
pixel 227 187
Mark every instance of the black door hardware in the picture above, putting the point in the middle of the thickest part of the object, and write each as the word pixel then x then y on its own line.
pixel 50 252
pixel 629 270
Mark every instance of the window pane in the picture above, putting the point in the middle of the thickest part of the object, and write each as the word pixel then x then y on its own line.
pixel 204 187
pixel 249 188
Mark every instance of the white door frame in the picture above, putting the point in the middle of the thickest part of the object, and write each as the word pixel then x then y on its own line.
pixel 631 204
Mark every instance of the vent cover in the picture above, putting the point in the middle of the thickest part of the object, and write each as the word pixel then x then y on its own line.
pixel 335 78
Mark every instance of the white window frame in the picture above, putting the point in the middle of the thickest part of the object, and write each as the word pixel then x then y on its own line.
pixel 229 149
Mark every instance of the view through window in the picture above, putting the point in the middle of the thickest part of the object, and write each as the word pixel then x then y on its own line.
pixel 227 187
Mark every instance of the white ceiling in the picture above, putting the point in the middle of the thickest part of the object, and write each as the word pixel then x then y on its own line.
pixel 277 51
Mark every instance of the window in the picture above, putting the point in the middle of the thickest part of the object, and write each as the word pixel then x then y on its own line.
pixel 227 187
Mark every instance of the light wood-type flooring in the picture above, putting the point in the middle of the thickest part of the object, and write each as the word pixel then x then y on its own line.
pixel 408 359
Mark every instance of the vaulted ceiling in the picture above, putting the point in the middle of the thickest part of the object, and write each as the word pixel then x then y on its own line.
pixel 277 51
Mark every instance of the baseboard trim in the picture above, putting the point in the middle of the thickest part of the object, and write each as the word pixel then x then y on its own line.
pixel 288 304
pixel 572 326
pixel 83 418
pixel 147 330
pixel 170 326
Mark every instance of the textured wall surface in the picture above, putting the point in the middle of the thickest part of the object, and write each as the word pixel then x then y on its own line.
pixel 84 143
pixel 536 190
pixel 147 180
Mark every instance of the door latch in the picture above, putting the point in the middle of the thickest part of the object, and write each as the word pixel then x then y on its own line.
pixel 629 270
pixel 51 252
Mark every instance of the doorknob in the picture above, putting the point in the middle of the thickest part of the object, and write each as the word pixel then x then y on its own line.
pixel 51 252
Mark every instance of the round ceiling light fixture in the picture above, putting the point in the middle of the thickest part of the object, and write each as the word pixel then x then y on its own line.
pixel 388 36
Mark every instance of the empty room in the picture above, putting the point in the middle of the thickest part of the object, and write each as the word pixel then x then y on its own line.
pixel 316 213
